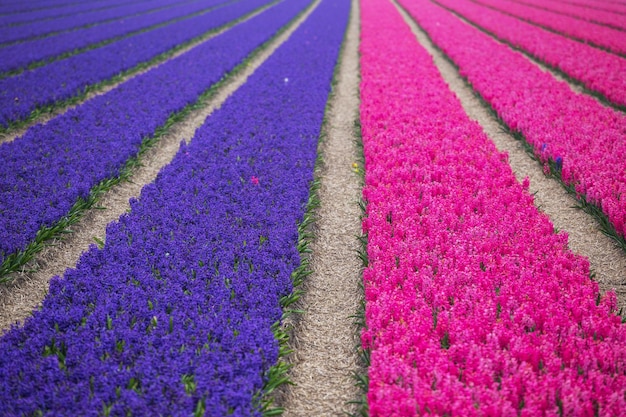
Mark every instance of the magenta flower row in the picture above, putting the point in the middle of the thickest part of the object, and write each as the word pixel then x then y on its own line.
pixel 583 138
pixel 602 17
pixel 598 70
pixel 474 306
pixel 602 36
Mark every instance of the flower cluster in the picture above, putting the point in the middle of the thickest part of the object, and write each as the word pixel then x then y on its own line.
pixel 582 137
pixel 605 37
pixel 474 306
pixel 20 95
pixel 16 56
pixel 9 34
pixel 174 314
pixel 575 59
pixel 592 13
pixel 43 173
pixel 42 11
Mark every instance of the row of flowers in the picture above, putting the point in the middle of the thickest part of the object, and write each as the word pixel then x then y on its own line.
pixel 9 34
pixel 619 8
pixel 34 10
pixel 604 37
pixel 600 71
pixel 583 138
pixel 175 314
pixel 22 94
pixel 17 56
pixel 591 13
pixel 474 306
pixel 48 169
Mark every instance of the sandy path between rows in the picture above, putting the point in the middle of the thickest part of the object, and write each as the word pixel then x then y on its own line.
pixel 324 336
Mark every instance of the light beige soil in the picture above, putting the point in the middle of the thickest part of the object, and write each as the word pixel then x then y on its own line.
pixel 21 297
pixel 607 260
pixel 325 337
pixel 11 135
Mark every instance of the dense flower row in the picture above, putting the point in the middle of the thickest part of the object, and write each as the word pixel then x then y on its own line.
pixel 22 94
pixel 65 10
pixel 31 30
pixel 584 138
pixel 598 70
pixel 30 6
pixel 593 15
pixel 44 172
pixel 175 313
pixel 474 307
pixel 19 55
pixel 612 39
pixel 600 5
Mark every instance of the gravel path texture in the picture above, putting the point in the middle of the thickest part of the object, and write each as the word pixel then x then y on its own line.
pixel 324 336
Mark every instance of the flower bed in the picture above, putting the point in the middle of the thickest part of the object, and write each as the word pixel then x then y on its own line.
pixel 607 77
pixel 601 36
pixel 35 29
pixel 56 12
pixel 583 138
pixel 90 143
pixel 474 306
pixel 174 315
pixel 21 95
pixel 17 56
pixel 598 16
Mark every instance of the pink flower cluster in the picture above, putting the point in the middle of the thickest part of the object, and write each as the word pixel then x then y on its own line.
pixel 598 70
pixel 602 36
pixel 474 307
pixel 561 125
pixel 591 14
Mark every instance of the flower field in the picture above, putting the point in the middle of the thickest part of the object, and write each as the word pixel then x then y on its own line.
pixel 473 304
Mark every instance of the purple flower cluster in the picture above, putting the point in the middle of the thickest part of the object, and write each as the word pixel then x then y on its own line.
pixel 611 39
pixel 71 9
pixel 175 313
pixel 60 80
pixel 43 173
pixel 30 6
pixel 19 55
pixel 583 138
pixel 31 30
pixel 608 77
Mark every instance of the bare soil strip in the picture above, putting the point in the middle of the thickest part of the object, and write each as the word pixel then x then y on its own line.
pixel 324 337
pixel 19 298
pixel 109 85
pixel 607 260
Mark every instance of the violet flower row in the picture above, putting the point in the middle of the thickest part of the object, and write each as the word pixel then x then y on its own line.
pixel 474 306
pixel 177 309
pixel 584 138
pixel 45 14
pixel 46 171
pixel 31 30
pixel 18 6
pixel 611 39
pixel 599 71
pixel 20 55
pixel 22 94
pixel 592 15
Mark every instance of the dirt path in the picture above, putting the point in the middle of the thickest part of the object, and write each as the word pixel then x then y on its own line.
pixel 18 299
pixel 324 338
pixel 607 260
